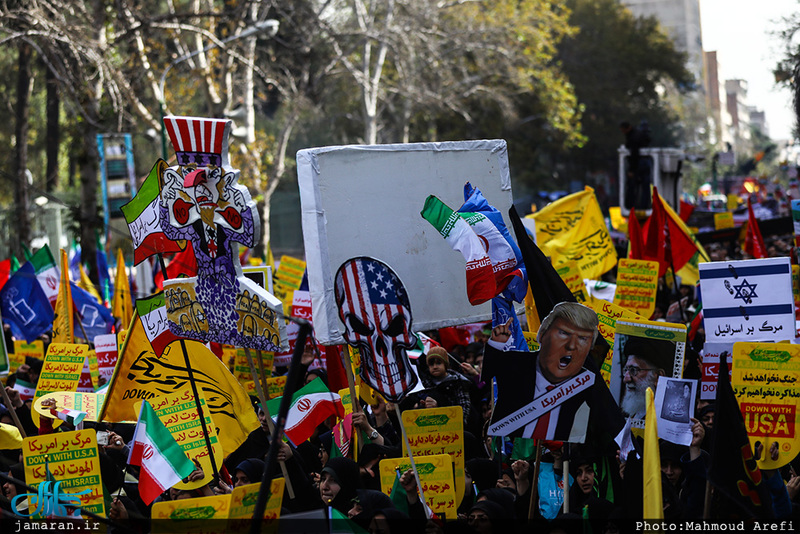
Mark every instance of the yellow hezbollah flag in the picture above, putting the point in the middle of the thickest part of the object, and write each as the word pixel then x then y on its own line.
pixel 86 284
pixel 63 320
pixel 140 374
pixel 653 505
pixel 123 305
pixel 573 228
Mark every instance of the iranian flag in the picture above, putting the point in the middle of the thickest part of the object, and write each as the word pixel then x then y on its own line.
pixel 152 313
pixel 26 389
pixel 162 460
pixel 44 265
pixel 144 223
pixel 459 234
pixel 73 417
pixel 311 405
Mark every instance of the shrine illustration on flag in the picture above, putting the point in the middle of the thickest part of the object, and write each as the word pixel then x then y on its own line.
pixel 202 202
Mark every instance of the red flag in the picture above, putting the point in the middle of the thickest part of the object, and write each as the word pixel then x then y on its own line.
pixel 753 242
pixel 686 210
pixel 667 241
pixel 636 251
pixel 5 272
pixel 183 263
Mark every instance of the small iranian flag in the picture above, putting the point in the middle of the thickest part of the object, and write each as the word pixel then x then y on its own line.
pixel 311 405
pixel 144 222
pixel 152 313
pixel 73 417
pixel 26 389
pixel 459 235
pixel 44 264
pixel 162 460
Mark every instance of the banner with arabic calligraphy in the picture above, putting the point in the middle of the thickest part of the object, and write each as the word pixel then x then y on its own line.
pixel 178 411
pixel 187 516
pixel 69 400
pixel 61 372
pixel 637 283
pixel 648 346
pixel 73 461
pixel 748 300
pixel 573 228
pixel 243 504
pixel 438 431
pixel 22 350
pixel 435 475
pixel 571 273
pixel 765 380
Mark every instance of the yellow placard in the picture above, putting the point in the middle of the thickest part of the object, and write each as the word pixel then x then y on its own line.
pixel 723 220
pixel 765 379
pixel 607 315
pixel 22 350
pixel 72 460
pixel 530 339
pixel 243 504
pixel 570 273
pixel 178 412
pixel 637 284
pixel 435 475
pixel 61 371
pixel 241 368
pixel 68 400
pixel 275 387
pixel 438 431
pixel 191 515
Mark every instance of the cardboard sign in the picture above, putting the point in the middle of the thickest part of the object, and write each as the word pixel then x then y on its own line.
pixel 637 283
pixel 72 459
pixel 243 504
pixel 178 412
pixel 66 400
pixel 748 300
pixel 438 431
pixel 711 361
pixel 435 475
pixel 723 220
pixel 105 347
pixel 90 373
pixel 22 350
pixel 61 371
pixel 191 515
pixel 241 367
pixel 765 381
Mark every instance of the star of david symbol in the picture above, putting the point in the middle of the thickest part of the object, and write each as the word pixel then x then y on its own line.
pixel 745 291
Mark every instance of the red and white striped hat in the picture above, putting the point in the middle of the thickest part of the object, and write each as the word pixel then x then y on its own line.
pixel 199 140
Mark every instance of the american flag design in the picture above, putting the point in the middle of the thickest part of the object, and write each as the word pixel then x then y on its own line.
pixel 199 140
pixel 374 307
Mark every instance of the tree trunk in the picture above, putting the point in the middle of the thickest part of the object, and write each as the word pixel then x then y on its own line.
pixel 53 136
pixel 21 196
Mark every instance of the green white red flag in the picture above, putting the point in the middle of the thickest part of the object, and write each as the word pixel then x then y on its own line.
pixel 311 405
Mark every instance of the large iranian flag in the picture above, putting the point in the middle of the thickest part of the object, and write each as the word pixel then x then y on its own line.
pixel 162 460
pixel 458 233
pixel 311 405
pixel 144 223
pixel 44 264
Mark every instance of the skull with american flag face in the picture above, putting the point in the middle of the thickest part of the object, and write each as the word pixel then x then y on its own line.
pixel 375 310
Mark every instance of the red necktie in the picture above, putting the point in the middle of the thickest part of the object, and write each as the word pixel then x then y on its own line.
pixel 540 431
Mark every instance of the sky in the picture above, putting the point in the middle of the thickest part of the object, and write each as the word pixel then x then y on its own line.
pixel 739 30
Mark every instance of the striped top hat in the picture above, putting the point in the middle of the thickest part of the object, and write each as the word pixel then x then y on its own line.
pixel 199 140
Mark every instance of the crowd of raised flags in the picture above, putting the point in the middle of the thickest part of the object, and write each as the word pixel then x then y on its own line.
pixel 160 463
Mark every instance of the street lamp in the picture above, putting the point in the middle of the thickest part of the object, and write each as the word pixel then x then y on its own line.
pixel 269 26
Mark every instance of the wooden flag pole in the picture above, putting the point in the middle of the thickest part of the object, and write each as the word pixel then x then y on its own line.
pixel 351 384
pixel 413 465
pixel 565 471
pixel 7 402
pixel 535 482
pixel 262 397
pixel 262 373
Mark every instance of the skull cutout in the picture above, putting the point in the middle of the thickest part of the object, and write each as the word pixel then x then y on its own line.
pixel 375 310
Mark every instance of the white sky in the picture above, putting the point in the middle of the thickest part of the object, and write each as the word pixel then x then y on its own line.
pixel 739 30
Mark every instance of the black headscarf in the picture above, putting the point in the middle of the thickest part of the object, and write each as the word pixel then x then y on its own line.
pixel 345 472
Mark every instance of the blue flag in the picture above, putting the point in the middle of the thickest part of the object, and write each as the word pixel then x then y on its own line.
pixel 95 318
pixel 25 306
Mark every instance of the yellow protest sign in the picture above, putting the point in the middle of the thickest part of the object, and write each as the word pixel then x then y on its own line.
pixel 287 279
pixel 61 371
pixel 607 315
pixel 22 350
pixel 530 339
pixel 243 504
pixel 178 412
pixel 191 515
pixel 723 220
pixel 72 459
pixel 241 368
pixel 438 431
pixel 571 274
pixel 765 377
pixel 435 475
pixel 275 387
pixel 637 283
pixel 69 400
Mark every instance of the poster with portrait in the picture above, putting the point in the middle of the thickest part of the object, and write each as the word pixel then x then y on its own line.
pixel 675 400
pixel 643 352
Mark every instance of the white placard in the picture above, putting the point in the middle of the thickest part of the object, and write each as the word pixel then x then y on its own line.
pixel 675 408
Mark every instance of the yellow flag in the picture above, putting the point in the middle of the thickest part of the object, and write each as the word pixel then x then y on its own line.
pixel 573 228
pixel 123 304
pixel 10 438
pixel 63 321
pixel 653 505
pixel 140 374
pixel 86 284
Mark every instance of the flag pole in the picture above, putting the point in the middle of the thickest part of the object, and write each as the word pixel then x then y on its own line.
pixel 262 374
pixel 293 380
pixel 533 505
pixel 262 397
pixel 351 384
pixel 413 465
pixel 13 411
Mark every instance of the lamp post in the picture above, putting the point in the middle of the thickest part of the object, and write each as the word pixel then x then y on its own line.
pixel 269 26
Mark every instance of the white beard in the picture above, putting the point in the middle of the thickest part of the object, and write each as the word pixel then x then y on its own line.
pixel 633 400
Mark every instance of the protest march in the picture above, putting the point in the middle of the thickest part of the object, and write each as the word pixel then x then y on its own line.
pixel 437 362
